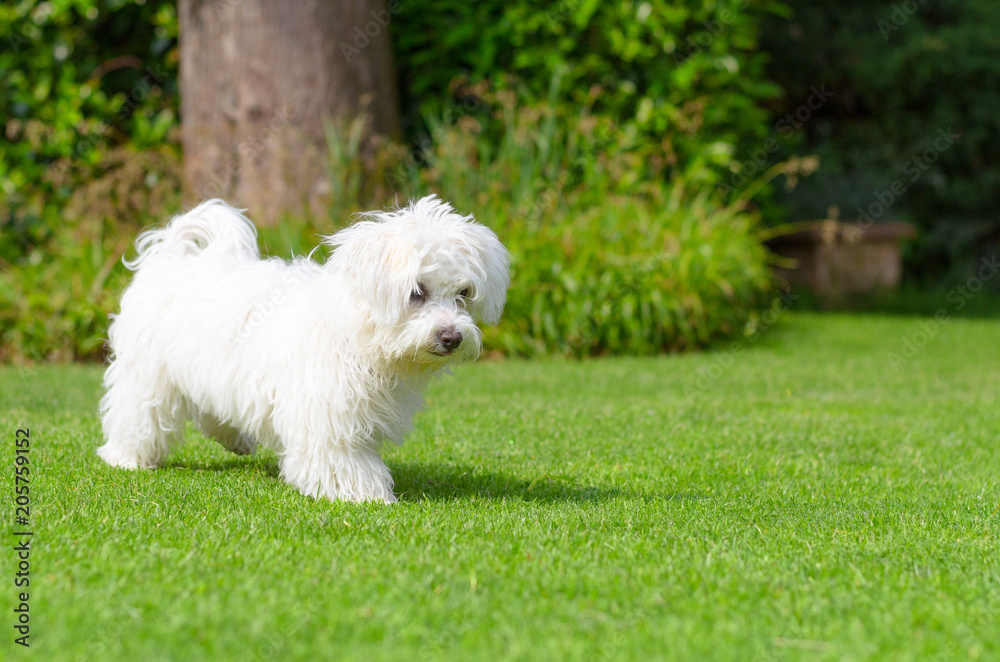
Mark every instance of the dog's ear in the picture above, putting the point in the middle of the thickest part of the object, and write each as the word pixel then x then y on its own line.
pixel 379 264
pixel 491 289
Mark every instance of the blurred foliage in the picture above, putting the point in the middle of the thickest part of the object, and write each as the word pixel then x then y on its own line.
pixel 900 73
pixel 55 297
pixel 682 79
pixel 54 305
pixel 77 78
pixel 559 127
pixel 88 101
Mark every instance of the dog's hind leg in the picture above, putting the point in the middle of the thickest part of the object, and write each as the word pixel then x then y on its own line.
pixel 231 439
pixel 143 419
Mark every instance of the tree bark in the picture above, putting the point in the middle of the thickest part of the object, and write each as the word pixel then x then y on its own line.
pixel 257 80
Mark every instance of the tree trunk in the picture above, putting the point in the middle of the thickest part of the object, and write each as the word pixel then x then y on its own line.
pixel 257 80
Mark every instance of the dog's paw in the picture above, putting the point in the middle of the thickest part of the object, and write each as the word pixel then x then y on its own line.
pixel 116 457
pixel 386 498
pixel 242 445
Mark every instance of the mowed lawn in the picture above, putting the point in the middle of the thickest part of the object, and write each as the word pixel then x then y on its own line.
pixel 808 497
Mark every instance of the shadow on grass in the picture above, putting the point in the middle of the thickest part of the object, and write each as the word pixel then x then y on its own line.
pixel 419 481
pixel 233 464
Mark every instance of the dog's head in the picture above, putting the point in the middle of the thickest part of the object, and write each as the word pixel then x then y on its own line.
pixel 425 277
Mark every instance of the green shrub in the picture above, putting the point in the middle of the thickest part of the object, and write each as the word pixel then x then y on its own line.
pixel 88 100
pixel 54 306
pixel 632 277
pixel 77 78
pixel 56 296
pixel 683 78
pixel 601 263
pixel 606 257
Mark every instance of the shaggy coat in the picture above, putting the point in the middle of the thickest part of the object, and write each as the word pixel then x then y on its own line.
pixel 320 362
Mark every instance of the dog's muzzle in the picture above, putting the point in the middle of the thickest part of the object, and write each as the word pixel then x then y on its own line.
pixel 449 340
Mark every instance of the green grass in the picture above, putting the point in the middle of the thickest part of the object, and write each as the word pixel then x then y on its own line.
pixel 809 499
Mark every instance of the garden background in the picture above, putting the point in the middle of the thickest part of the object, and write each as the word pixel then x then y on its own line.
pixel 628 153
pixel 668 454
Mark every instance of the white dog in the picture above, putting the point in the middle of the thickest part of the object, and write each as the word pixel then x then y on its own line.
pixel 321 362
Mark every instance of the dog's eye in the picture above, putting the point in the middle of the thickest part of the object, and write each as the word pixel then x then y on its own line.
pixel 464 293
pixel 418 295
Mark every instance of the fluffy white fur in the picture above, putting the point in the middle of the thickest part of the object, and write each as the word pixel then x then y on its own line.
pixel 321 362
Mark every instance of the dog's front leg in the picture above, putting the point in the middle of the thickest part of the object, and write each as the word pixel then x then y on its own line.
pixel 326 469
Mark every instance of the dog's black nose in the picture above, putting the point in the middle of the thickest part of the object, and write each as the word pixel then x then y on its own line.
pixel 450 339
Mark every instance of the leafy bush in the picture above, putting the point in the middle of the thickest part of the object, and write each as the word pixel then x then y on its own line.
pixel 77 78
pixel 54 306
pixel 55 297
pixel 567 159
pixel 900 74
pixel 682 78
pixel 595 270
pixel 633 277
pixel 88 100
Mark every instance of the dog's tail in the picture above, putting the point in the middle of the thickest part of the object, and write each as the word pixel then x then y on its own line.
pixel 211 228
